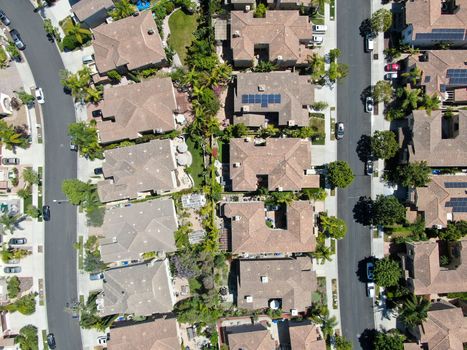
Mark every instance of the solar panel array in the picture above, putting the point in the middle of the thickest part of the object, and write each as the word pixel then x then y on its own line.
pixel 455 184
pixel 264 99
pixel 442 35
pixel 457 76
pixel 459 205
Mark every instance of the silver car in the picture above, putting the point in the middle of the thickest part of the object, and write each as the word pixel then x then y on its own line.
pixel 17 39
pixel 340 131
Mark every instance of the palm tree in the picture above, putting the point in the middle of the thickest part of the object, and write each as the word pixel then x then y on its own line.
pixel 411 98
pixel 327 325
pixel 414 311
pixel 9 222
pixel 220 75
pixel 123 8
pixel 322 253
pixel 317 66
pixel 80 34
pixel 430 103
pixel 413 75
pixel 265 66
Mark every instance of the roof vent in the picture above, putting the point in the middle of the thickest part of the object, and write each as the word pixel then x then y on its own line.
pixel 264 279
pixel 294 312
pixel 279 58
pixel 114 239
pixel 159 131
pixel 247 8
pixel 261 88
pixel 236 165
pixel 236 218
pixel 280 189
pixel 151 31
pixel 291 122
pixel 135 14
pixel 236 34
pixel 246 108
pixel 249 299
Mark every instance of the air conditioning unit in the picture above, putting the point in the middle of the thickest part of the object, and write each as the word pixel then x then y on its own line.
pixel 247 139
pixel 291 122
pixel 249 299
pixel 261 87
pixel 114 239
pixel 245 108
pixel 264 279
pixel 247 8
pixel 236 34
pixel 279 58
pixel 236 165
pixel 159 131
pixel 294 312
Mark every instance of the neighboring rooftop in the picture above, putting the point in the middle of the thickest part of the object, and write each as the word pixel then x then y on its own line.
pixel 139 228
pixel 131 43
pixel 128 111
pixel 86 10
pixel 280 97
pixel 283 161
pixel 441 142
pixel 306 336
pixel 250 337
pixel 147 167
pixel 250 234
pixel 291 281
pixel 143 289
pixel 160 334
pixel 426 276
pixel 443 199
pixel 282 35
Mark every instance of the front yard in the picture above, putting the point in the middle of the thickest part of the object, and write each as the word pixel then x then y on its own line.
pixel 182 26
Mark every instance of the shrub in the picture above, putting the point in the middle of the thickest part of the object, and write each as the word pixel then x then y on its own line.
pixel 13 287
pixel 114 76
pixel 70 43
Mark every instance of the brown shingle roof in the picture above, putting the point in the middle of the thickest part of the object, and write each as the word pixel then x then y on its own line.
pixel 306 336
pixel 295 91
pixel 434 199
pixel 147 167
pixel 160 334
pixel 251 235
pixel 127 42
pixel 428 142
pixel 286 33
pixel 284 161
pixel 428 277
pixel 250 337
pixel 87 8
pixel 139 228
pixel 130 110
pixel 290 280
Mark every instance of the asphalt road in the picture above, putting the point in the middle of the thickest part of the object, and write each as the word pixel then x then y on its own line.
pixel 356 307
pixel 60 164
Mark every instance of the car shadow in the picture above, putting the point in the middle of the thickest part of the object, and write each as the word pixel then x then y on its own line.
pixel 362 211
pixel 364 148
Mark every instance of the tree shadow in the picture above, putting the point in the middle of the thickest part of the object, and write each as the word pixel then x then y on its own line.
pixel 365 93
pixel 364 148
pixel 361 269
pixel 362 211
pixel 367 338
pixel 365 28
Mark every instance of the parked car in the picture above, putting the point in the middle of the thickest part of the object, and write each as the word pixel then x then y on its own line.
pixel 368 43
pixel 17 39
pixel 369 104
pixel 46 213
pixel 369 167
pixel 370 289
pixel 392 67
pixel 339 130
pixel 96 276
pixel 12 269
pixel 390 76
pixel 102 340
pixel 40 95
pixel 370 269
pixel 3 17
pixel 320 28
pixel 73 146
pixel 51 341
pixel 98 171
pixel 317 39
pixel 17 241
pixel 10 161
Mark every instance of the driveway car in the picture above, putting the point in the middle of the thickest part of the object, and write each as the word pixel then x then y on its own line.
pixel 369 167
pixel 320 28
pixel 391 67
pixel 102 340
pixel 12 269
pixel 339 130
pixel 370 289
pixel 370 271
pixel 46 213
pixel 390 76
pixel 3 17
pixel 17 39
pixel 369 104
pixel 10 161
pixel 40 95
pixel 51 341
pixel 317 39
pixel 96 276
pixel 17 241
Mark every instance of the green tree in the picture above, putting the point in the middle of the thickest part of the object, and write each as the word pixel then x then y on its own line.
pixel 268 131
pixel 84 135
pixel 319 105
pixel 392 340
pixel 340 174
pixel 79 35
pixel 11 138
pixel 414 311
pixel 33 212
pixel 317 67
pixel 77 83
pixel 25 98
pixel 317 194
pixel 286 197
pixel 332 226
pixel 123 8
pixel 337 71
pixel 27 338
pixel 13 50
pixel 24 193
pixel 260 11
pixel 234 131
pixel 387 272
pixel 454 231
pixel 387 210
pixel 413 76
pixel 334 54
pixel 410 99
pixel 25 305
pixel 114 76
pixel 430 103
pixel 416 174
pixel 341 343
pixel 381 20
pixel 78 192
pixel 9 222
pixel 383 91
pixel 13 287
pixel 31 177
pixel 322 253
pixel 384 144
pixel 265 66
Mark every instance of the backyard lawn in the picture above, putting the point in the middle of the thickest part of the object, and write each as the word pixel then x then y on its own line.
pixel 182 27
pixel 197 167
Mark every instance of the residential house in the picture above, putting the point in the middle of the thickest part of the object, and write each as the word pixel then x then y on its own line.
pixel 130 231
pixel 161 333
pixel 444 74
pixel 142 289
pixel 280 98
pixel 129 111
pixel 133 171
pixel 276 163
pixel 424 274
pixel 438 140
pixel 277 5
pixel 130 43
pixel 443 199
pixel 91 13
pixel 276 283
pixel 444 329
pixel 306 336
pixel 290 230
pixel 431 22
pixel 251 337
pixel 281 37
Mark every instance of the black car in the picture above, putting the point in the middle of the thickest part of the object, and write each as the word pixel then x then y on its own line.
pixel 46 212
pixel 17 39
pixel 98 171
pixel 51 341
pixel 17 241
pixel 5 20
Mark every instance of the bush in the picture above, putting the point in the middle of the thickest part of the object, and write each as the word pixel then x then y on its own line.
pixel 13 287
pixel 260 11
pixel 387 272
pixel 70 43
pixel 114 76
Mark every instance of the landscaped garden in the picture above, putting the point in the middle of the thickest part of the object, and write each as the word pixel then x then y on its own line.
pixel 182 26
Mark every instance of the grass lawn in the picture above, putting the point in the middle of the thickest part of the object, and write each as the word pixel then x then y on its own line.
pixel 181 27
pixel 317 124
pixel 197 167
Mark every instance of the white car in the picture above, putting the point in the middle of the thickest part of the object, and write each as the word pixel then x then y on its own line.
pixel 370 289
pixel 102 340
pixel 317 39
pixel 390 76
pixel 320 28
pixel 40 95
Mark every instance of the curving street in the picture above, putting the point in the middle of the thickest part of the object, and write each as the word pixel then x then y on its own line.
pixel 356 307
pixel 60 164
